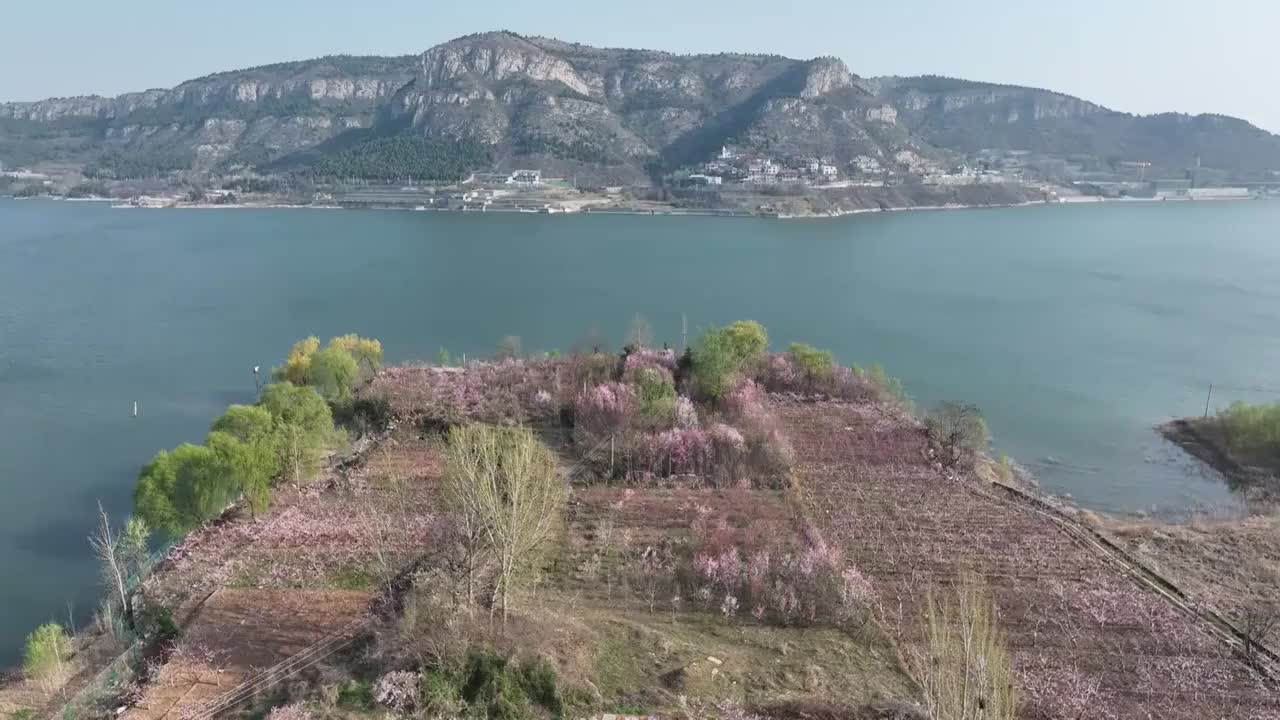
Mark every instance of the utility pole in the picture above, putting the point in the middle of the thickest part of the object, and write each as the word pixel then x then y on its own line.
pixel 1206 400
pixel 684 332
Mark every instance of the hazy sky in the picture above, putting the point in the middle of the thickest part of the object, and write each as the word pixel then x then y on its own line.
pixel 1135 55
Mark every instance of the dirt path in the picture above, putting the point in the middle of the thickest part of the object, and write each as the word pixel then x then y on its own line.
pixel 1088 640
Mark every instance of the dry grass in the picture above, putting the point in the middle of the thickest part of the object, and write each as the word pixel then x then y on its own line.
pixel 1232 565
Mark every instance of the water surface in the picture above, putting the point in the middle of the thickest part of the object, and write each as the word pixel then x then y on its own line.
pixel 1074 328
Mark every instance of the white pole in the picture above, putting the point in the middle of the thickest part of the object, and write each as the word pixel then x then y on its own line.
pixel 135 408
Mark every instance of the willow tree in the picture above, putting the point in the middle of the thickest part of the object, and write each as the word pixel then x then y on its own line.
pixel 505 485
pixel 304 426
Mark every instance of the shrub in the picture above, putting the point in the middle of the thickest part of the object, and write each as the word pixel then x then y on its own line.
pixel 1251 427
pixel 605 409
pixel 44 658
pixel 509 690
pixel 356 695
pixel 397 690
pixel 440 695
pixel 890 388
pixel 779 579
pixel 679 451
pixel 292 711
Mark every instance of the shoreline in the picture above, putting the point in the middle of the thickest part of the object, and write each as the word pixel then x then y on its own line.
pixel 672 211
pixel 1191 436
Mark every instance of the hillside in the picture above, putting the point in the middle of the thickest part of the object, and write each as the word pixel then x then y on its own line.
pixel 612 114
pixel 969 116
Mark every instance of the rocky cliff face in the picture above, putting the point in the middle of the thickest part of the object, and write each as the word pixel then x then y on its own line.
pixel 556 104
pixel 968 116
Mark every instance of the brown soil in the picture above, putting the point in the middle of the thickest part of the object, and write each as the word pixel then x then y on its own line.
pixel 237 633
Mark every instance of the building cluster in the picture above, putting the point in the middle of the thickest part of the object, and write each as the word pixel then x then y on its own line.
pixel 752 169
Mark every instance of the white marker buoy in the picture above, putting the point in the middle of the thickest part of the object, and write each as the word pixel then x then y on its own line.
pixel 135 408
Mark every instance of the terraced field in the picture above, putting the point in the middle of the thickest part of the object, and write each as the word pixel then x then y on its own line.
pixel 1088 641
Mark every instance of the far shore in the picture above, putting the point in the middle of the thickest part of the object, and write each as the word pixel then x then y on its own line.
pixel 584 209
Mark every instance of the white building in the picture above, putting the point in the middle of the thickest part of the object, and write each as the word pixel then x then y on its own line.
pixel 525 177
pixel 829 172
pixel 764 171
pixel 699 179
pixel 867 164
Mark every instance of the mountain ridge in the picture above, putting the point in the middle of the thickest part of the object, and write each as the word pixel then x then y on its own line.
pixel 621 113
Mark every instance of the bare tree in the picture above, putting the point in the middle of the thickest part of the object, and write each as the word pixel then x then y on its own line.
pixel 960 429
pixel 967 672
pixel 504 483
pixel 640 334
pixel 106 544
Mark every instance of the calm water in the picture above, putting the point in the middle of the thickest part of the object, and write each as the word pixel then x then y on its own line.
pixel 1075 328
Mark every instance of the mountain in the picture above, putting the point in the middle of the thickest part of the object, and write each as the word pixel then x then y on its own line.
pixel 612 114
pixel 969 116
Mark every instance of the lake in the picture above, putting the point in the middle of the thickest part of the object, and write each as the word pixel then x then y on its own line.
pixel 1075 329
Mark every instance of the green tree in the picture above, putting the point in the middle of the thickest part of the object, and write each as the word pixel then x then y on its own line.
pixel 722 353
pixel 335 370
pixel 204 487
pixel 366 351
pixel 304 423
pixel 154 493
pixel 297 364
pixel 250 464
pixel 333 373
pixel 245 422
pixel 747 339
pixel 656 399
pixel 45 654
pixel 816 364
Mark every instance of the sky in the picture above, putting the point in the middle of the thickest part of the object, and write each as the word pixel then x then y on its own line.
pixel 1140 56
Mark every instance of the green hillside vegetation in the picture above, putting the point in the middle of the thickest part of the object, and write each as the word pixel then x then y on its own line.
pixel 403 157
